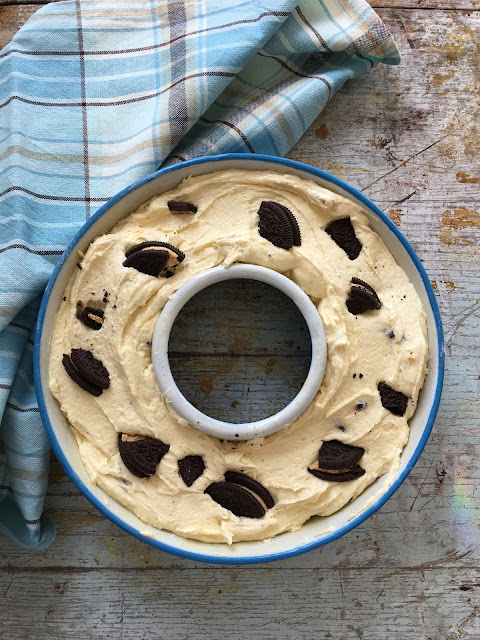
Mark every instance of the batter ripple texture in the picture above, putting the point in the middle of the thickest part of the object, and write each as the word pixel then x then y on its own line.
pixel 377 356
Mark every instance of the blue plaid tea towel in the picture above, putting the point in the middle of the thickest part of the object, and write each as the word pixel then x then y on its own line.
pixel 95 94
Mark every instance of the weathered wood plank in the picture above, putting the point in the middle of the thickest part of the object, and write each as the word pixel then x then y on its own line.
pixel 409 137
pixel 428 5
pixel 14 13
pixel 257 602
pixel 240 389
pixel 240 350
pixel 12 18
pixel 409 133
pixel 244 317
pixel 449 5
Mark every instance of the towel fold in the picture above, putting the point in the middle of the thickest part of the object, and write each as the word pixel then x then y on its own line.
pixel 95 94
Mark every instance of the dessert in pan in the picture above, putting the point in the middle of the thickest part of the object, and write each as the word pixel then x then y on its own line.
pixel 172 475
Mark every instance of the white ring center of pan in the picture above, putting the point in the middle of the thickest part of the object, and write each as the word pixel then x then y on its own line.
pixel 186 410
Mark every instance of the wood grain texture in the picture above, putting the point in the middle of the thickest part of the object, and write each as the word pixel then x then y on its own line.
pixel 409 137
pixel 457 6
pixel 452 5
pixel 12 18
pixel 259 602
pixel 240 351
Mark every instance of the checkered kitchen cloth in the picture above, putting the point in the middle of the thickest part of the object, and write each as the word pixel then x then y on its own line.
pixel 95 94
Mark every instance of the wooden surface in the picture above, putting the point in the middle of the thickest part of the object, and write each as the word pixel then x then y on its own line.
pixel 409 137
pixel 240 351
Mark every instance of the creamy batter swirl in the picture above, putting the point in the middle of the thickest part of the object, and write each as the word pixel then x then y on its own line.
pixel 387 344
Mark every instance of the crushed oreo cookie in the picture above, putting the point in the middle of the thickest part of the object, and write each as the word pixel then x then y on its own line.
pixel 270 204
pixel 394 401
pixel 237 499
pixel 278 225
pixel 334 455
pixel 251 484
pixel 190 469
pixel 338 462
pixel 342 233
pixel 180 206
pixel 78 379
pixel 154 258
pixel 92 318
pixel 141 454
pixel 361 297
pixel 344 476
pixel 91 369
pixel 365 285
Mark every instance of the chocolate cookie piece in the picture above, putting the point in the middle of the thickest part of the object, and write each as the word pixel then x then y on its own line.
pixel 270 205
pixel 342 232
pixel 297 238
pixel 278 225
pixel 92 318
pixel 141 454
pixel 191 468
pixel 364 284
pixel 180 206
pixel 155 243
pixel 149 261
pixel 249 483
pixel 345 476
pixel 154 258
pixel 236 499
pixel 78 379
pixel 395 401
pixel 91 369
pixel 334 455
pixel 361 297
